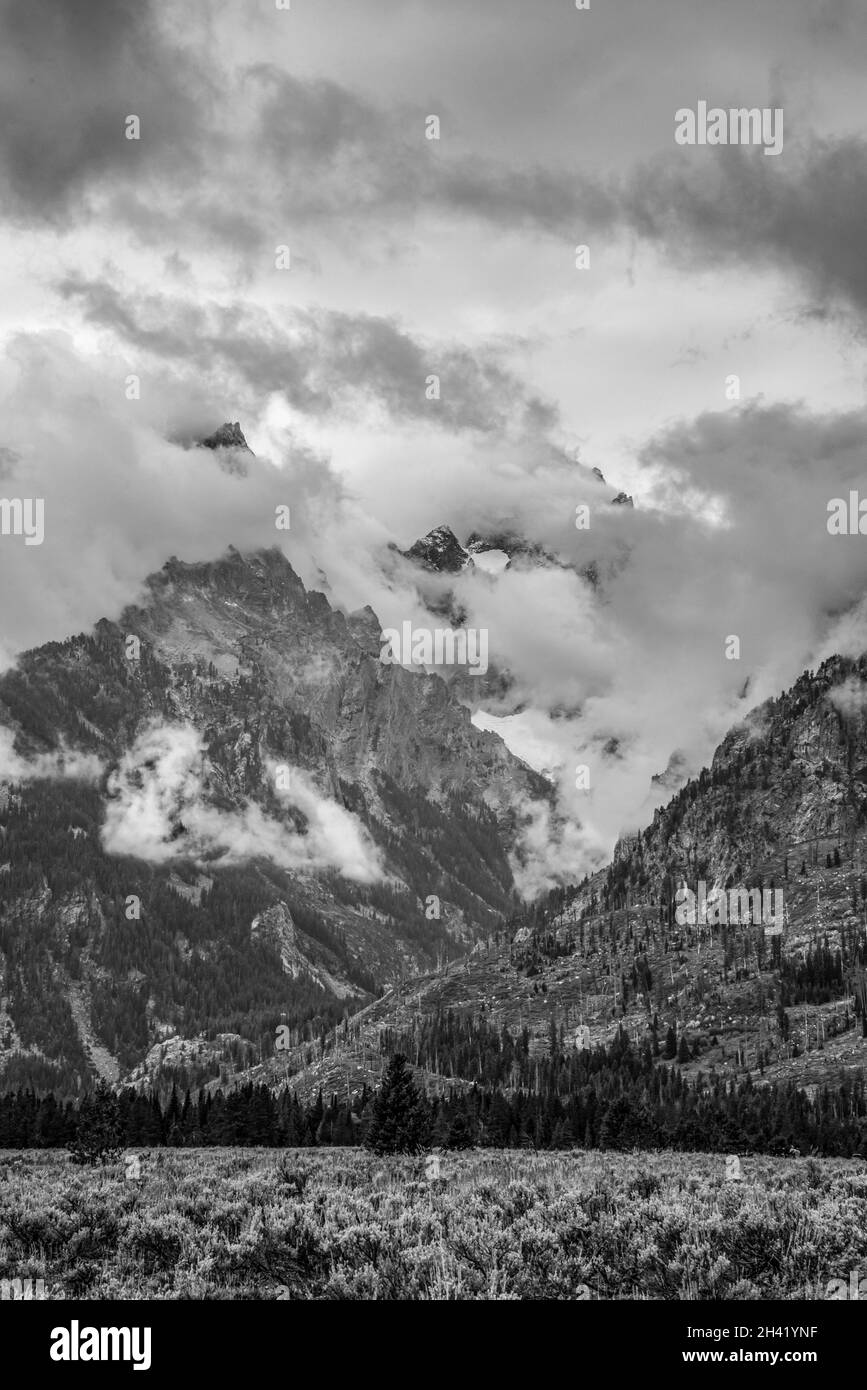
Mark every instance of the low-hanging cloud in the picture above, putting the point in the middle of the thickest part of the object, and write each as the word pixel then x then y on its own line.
pixel 239 154
pixel 157 810
pixel 63 764
pixel 730 538
pixel 850 697
pixel 119 496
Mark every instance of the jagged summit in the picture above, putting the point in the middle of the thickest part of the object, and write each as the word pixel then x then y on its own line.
pixel 256 577
pixel 439 550
pixel 228 436
pixel 283 803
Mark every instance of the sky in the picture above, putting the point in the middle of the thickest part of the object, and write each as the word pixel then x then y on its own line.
pixel 157 260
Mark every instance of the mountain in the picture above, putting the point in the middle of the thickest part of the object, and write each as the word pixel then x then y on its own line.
pixel 781 808
pixel 443 571
pixel 225 821
pixel 223 811
pixel 440 550
pixel 440 555
pixel 228 436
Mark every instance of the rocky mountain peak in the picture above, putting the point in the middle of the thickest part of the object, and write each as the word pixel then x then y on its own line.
pixel 228 436
pixel 439 550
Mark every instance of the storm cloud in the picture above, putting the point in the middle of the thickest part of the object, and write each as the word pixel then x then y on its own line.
pixel 452 258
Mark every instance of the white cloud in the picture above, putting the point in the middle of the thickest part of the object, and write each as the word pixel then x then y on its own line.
pixel 617 680
pixel 850 697
pixel 157 810
pixel 68 764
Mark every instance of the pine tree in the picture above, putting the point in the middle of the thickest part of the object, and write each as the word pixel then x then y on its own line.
pixel 400 1120
pixel 459 1136
pixel 98 1137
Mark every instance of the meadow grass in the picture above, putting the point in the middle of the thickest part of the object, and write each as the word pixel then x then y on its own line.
pixel 342 1224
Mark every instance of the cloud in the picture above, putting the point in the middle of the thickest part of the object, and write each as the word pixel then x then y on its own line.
pixel 157 810
pixel 120 497
pixel 730 539
pixel 552 849
pixel 325 154
pixel 733 209
pixel 66 763
pixel 455 258
pixel 320 360
pixel 618 679
pixel 69 77
pixel 239 150
pixel 850 697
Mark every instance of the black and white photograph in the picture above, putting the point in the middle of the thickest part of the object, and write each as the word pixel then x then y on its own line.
pixel 433 670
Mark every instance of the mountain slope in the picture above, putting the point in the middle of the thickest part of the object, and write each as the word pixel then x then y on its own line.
pixel 232 752
pixel 783 807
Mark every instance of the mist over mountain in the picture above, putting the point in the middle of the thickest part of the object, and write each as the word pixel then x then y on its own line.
pixel 234 751
pixel 763 978
pixel 433 665
pixel 228 784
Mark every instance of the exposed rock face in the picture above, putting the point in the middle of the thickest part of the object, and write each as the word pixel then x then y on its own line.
pixel 275 927
pixel 262 674
pixel 792 774
pixel 228 436
pixel 782 809
pixel 299 958
pixel 674 776
pixel 439 550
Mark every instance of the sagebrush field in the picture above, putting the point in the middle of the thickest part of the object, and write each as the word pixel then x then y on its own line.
pixel 263 1224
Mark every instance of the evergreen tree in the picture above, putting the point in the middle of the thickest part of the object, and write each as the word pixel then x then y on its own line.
pixel 400 1120
pixel 459 1136
pixel 98 1137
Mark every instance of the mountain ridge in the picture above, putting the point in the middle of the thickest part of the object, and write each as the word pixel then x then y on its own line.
pixel 234 725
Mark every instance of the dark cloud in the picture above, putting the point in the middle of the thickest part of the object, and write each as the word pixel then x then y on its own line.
pixel 338 155
pixel 804 212
pixel 290 151
pixel 69 77
pixel 242 157
pixel 319 359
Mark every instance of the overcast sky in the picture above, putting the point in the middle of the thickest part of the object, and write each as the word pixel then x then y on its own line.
pixel 305 128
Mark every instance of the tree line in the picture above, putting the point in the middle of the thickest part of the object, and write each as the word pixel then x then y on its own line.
pixel 621 1098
